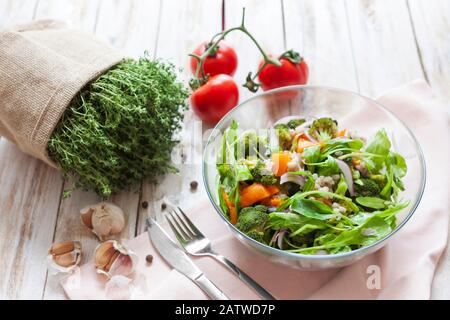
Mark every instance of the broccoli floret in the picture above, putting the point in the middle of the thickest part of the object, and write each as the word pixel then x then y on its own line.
pixel 262 175
pixel 294 123
pixel 380 179
pixel 268 180
pixel 224 170
pixel 256 235
pixel 367 188
pixel 284 136
pixel 252 221
pixel 323 129
pixel 253 144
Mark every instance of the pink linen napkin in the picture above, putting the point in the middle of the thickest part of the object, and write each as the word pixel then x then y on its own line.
pixel 406 264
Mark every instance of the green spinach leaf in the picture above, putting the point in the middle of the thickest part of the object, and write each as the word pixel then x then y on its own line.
pixel 312 209
pixel 380 146
pixel 371 202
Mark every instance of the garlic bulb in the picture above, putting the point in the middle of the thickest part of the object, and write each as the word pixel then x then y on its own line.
pixel 112 258
pixel 104 219
pixel 64 257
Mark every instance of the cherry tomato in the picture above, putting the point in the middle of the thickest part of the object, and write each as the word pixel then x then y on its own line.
pixel 224 61
pixel 215 98
pixel 289 73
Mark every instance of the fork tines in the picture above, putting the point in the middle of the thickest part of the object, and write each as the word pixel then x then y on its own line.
pixel 181 226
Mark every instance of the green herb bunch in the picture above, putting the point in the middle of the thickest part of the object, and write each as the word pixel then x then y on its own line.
pixel 119 130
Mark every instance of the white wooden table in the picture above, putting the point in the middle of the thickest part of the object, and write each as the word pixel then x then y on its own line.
pixel 361 45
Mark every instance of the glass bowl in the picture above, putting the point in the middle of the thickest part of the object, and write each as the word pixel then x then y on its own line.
pixel 351 110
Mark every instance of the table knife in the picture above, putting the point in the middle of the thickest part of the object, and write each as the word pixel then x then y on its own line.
pixel 176 257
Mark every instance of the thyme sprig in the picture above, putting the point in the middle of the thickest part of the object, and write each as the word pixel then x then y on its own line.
pixel 119 129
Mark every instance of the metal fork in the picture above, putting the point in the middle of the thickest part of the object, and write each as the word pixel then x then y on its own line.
pixel 196 244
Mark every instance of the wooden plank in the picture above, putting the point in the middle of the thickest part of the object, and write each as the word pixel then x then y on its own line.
pixel 117 20
pixel 383 43
pixel 319 31
pixel 28 202
pixel 131 25
pixel 16 12
pixel 183 25
pixel 432 28
pixel 28 206
pixel 79 13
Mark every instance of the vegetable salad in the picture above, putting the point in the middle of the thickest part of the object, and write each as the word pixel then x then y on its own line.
pixel 310 187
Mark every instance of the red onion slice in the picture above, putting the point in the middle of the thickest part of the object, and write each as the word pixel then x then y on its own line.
pixel 292 177
pixel 281 235
pixel 309 136
pixel 278 237
pixel 347 175
pixel 303 126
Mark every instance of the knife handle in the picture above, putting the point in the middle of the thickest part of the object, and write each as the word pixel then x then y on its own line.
pixel 210 288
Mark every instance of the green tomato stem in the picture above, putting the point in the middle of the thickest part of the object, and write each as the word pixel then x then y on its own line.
pixel 215 40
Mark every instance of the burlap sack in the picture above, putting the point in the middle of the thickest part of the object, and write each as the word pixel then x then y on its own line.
pixel 43 65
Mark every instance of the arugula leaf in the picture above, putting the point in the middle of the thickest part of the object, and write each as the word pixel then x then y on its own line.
pixel 372 230
pixel 312 209
pixel 309 184
pixel 242 172
pixel 340 250
pixel 222 203
pixel 348 201
pixel 328 167
pixel 230 171
pixel 380 145
pixel 342 187
pixel 371 202
pixel 311 155
pixel 228 149
pixel 341 144
pixel 387 189
pixel 285 220
pixel 397 163
pixel 295 223
pixel 386 214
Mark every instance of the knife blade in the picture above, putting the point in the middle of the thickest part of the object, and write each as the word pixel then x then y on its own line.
pixel 176 257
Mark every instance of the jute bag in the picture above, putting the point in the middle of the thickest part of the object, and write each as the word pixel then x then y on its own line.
pixel 43 65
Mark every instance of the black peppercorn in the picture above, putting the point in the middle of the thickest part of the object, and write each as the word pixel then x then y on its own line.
pixel 149 258
pixel 144 204
pixel 194 185
pixel 163 206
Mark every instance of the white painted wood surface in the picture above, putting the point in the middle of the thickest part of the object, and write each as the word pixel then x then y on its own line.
pixel 362 45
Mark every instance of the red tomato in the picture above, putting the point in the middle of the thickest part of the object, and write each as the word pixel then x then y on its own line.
pixel 224 61
pixel 215 98
pixel 287 74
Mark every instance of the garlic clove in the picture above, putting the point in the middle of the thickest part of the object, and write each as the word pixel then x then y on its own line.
pixel 86 216
pixel 64 257
pixel 112 258
pixel 104 254
pixel 123 265
pixel 104 219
